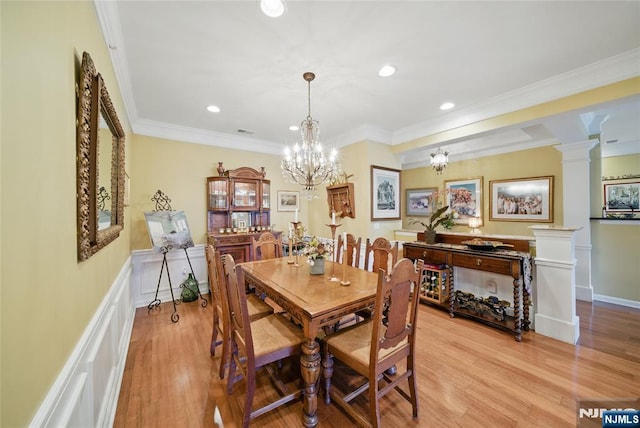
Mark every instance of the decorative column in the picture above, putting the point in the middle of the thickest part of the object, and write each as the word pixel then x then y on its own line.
pixel 576 208
pixel 556 283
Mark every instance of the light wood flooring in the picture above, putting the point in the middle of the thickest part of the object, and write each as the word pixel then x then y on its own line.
pixel 469 374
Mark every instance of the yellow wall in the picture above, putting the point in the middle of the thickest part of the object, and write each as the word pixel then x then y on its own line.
pixel 542 161
pixel 614 245
pixel 619 166
pixel 180 170
pixel 357 160
pixel 47 297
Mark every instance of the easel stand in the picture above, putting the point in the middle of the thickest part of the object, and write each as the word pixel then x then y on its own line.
pixel 156 302
pixel 205 302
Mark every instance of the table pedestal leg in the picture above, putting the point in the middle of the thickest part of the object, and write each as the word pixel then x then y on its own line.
pixel 310 368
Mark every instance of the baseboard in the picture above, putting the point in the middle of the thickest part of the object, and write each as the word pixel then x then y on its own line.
pixel 87 388
pixel 617 301
pixel 584 293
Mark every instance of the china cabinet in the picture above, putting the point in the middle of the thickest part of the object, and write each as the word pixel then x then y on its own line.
pixel 238 207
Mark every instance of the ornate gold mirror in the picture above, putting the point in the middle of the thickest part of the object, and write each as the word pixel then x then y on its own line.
pixel 100 164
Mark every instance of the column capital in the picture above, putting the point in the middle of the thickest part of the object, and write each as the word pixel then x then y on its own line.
pixel 576 151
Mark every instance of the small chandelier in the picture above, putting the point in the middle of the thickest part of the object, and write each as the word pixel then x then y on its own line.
pixel 439 160
pixel 306 163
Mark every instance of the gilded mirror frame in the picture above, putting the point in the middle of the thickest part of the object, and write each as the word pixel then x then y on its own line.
pixel 93 102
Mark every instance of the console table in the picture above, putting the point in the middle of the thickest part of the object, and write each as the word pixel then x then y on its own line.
pixel 516 264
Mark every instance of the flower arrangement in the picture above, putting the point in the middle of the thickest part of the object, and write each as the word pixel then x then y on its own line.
pixel 316 250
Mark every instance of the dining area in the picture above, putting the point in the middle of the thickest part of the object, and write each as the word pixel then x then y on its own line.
pixel 312 318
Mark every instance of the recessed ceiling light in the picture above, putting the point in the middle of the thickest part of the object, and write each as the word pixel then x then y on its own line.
pixel 213 109
pixel 273 8
pixel 294 128
pixel 386 71
pixel 447 106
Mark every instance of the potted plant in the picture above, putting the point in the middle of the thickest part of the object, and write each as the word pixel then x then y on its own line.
pixel 316 252
pixel 439 217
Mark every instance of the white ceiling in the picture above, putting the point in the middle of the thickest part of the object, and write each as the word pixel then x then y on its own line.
pixel 173 58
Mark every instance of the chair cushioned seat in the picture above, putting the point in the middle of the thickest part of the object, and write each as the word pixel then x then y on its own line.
pixel 273 333
pixel 355 342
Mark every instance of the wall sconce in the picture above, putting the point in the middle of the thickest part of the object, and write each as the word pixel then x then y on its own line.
pixel 474 224
pixel 439 160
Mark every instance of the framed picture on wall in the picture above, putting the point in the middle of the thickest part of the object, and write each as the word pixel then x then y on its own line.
pixel 465 199
pixel 522 199
pixel 622 196
pixel 288 200
pixel 385 193
pixel 418 201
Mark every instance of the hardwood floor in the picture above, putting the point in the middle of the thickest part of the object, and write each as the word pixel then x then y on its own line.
pixel 469 375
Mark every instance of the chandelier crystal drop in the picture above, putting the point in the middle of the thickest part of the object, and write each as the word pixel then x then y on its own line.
pixel 307 163
pixel 439 160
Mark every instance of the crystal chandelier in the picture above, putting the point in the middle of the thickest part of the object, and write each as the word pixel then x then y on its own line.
pixel 439 160
pixel 306 163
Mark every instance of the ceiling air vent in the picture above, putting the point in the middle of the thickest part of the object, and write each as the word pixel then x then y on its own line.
pixel 611 141
pixel 245 131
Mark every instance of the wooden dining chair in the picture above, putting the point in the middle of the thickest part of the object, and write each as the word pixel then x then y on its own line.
pixel 380 254
pixel 353 250
pixel 257 344
pixel 256 307
pixel 267 246
pixel 374 346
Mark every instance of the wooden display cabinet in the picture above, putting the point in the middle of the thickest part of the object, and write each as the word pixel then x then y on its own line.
pixel 238 208
pixel 435 285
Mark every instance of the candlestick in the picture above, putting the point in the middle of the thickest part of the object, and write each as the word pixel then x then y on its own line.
pixel 333 227
pixel 345 261
pixel 293 243
pixel 296 219
pixel 333 217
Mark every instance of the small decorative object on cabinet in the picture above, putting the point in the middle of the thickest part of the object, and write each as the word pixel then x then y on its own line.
pixel 435 287
pixel 238 207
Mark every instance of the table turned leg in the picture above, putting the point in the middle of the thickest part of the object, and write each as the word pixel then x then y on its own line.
pixel 310 368
pixel 517 331
pixel 452 296
pixel 525 307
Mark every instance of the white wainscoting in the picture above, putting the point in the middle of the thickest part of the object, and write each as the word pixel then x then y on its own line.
pixel 146 268
pixel 85 394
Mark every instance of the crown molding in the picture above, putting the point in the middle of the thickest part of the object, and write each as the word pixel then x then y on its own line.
pixel 601 73
pixel 170 131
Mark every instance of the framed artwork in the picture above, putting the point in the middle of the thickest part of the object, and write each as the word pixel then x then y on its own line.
pixel 168 230
pixel 465 199
pixel 418 201
pixel 385 193
pixel 522 199
pixel 288 200
pixel 622 196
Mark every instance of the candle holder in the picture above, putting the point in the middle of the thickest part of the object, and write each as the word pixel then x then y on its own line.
pixel 333 227
pixel 293 245
pixel 345 262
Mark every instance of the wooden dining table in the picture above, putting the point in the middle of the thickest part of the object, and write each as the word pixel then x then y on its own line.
pixel 315 302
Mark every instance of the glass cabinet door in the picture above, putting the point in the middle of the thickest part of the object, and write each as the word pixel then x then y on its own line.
pixel 217 193
pixel 245 194
pixel 266 195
